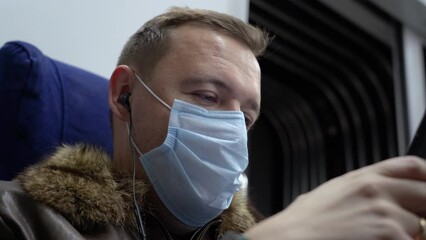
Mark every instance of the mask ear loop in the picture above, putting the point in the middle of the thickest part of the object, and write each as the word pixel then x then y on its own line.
pixel 150 91
pixel 141 228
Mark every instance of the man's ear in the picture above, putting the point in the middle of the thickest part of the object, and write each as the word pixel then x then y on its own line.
pixel 120 84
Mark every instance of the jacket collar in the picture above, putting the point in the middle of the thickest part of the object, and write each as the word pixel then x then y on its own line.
pixel 79 183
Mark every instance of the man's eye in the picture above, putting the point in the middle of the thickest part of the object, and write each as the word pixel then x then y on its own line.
pixel 206 97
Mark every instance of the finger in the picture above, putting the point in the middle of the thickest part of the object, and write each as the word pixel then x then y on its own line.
pixel 407 193
pixel 392 221
pixel 409 167
pixel 409 222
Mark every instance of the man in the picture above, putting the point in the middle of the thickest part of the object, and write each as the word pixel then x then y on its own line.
pixel 184 93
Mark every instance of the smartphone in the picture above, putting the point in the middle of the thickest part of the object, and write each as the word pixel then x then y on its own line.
pixel 418 144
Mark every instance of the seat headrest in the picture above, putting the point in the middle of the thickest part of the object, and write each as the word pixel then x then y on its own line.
pixel 45 103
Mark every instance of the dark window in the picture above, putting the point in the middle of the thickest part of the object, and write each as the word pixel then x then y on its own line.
pixel 328 99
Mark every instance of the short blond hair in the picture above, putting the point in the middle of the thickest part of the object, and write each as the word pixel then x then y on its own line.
pixel 145 47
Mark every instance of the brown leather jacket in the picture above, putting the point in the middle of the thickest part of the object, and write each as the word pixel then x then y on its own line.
pixel 74 194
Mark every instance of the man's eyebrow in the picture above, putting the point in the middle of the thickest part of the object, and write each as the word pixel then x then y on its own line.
pixel 214 81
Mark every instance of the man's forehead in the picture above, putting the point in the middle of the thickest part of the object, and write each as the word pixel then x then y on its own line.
pixel 195 33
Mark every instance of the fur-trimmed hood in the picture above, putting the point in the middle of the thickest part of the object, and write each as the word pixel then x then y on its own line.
pixel 79 183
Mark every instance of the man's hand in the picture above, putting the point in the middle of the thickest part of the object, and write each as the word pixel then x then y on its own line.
pixel 381 201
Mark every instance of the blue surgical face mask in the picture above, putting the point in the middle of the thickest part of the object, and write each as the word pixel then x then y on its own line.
pixel 197 169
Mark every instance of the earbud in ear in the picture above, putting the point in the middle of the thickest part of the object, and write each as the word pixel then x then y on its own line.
pixel 124 100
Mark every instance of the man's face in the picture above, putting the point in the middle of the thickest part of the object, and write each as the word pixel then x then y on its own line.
pixel 203 67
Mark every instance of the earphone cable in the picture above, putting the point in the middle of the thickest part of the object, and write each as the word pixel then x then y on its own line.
pixel 141 228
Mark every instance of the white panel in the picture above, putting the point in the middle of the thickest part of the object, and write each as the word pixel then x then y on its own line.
pixel 90 34
pixel 415 79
